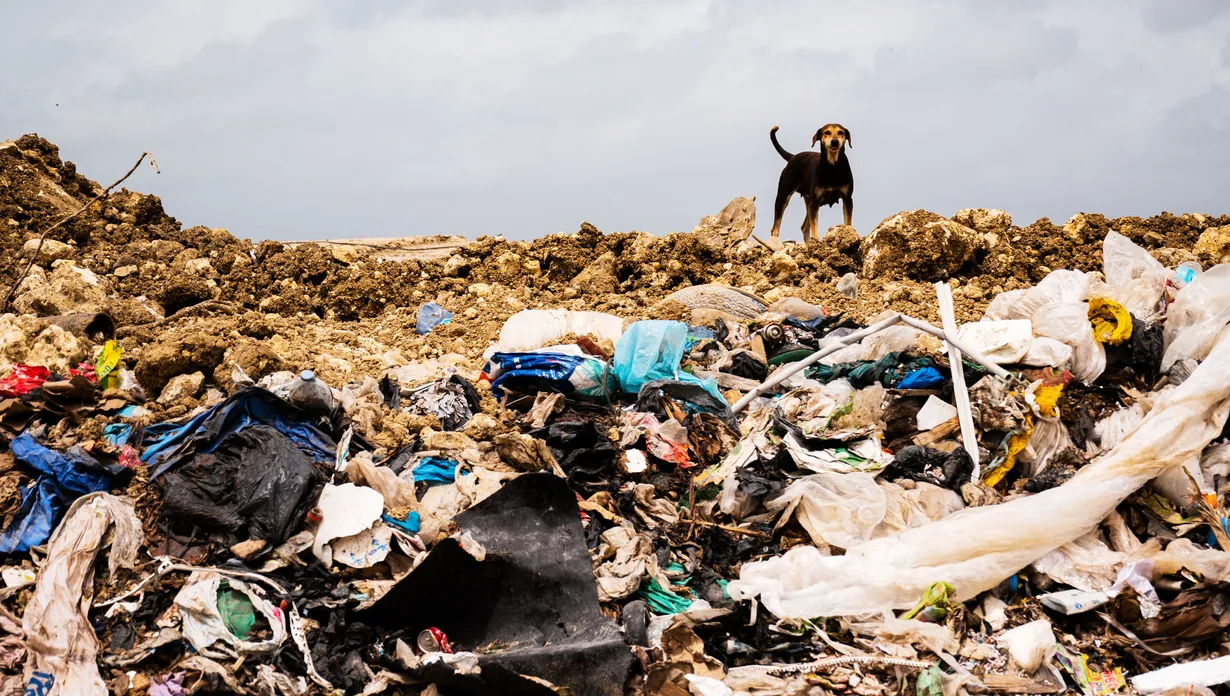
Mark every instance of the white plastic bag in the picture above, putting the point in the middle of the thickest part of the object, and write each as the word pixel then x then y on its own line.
pixel 535 328
pixel 1058 286
pixel 1199 313
pixel 1004 342
pixel 1215 462
pixel 876 346
pixel 1047 352
pixel 203 625
pixel 984 545
pixel 1030 645
pixel 1069 324
pixel 1136 279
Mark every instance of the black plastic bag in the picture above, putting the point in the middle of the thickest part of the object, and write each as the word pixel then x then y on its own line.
pixel 949 470
pixel 256 484
pixel 581 447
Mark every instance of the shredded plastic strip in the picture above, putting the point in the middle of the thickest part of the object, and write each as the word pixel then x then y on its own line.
pixel 830 663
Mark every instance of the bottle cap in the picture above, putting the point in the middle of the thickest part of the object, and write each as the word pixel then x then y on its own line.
pixel 307 375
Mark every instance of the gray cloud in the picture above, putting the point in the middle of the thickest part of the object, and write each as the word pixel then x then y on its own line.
pixel 289 119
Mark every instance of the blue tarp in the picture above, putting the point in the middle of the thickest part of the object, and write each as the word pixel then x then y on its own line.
pixel 166 443
pixel 63 477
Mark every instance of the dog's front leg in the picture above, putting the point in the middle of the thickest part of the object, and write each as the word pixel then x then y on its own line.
pixel 847 207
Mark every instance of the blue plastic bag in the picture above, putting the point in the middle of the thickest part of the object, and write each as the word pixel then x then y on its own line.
pixel 435 471
pixel 922 378
pixel 63 477
pixel 560 373
pixel 653 350
pixel 649 350
pixel 431 315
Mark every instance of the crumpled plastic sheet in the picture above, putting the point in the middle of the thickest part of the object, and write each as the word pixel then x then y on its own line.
pixel 845 510
pixel 362 402
pixel 977 548
pixel 203 625
pixel 1087 563
pixel 59 636
pixel 397 492
pixel 168 443
pixel 1197 316
pixel 62 478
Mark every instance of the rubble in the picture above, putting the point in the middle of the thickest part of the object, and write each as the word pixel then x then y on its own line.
pixel 610 463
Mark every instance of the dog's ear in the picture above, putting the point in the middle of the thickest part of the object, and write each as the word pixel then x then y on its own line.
pixel 815 138
pixel 849 142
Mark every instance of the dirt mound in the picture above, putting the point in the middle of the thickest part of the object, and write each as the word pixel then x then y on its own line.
pixel 166 284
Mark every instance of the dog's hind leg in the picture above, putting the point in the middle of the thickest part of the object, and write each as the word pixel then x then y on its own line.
pixel 779 208
pixel 847 207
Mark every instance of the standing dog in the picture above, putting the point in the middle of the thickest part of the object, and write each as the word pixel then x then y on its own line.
pixel 822 179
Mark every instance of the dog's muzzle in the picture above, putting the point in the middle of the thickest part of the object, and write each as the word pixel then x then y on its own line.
pixel 835 144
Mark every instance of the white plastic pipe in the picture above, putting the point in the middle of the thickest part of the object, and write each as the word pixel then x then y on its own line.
pixel 965 414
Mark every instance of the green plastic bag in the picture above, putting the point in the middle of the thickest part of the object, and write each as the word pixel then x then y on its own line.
pixel 238 614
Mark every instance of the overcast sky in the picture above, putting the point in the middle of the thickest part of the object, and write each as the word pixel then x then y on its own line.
pixel 301 119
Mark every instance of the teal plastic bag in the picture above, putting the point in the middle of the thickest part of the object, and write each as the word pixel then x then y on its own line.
pixel 651 350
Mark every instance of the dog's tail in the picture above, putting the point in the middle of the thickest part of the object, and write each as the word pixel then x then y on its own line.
pixel 780 150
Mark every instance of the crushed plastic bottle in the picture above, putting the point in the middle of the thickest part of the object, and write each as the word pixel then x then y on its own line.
pixel 309 393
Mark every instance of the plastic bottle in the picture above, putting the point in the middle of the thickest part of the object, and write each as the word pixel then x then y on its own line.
pixel 1186 273
pixel 310 394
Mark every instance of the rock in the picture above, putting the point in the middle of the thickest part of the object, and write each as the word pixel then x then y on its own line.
pixel 182 387
pixel 919 245
pixel 479 289
pixel 532 267
pixel 52 250
pixel 182 292
pixel 984 220
pixel 734 224
pixel 838 248
pixel 1171 257
pixel 69 288
pixel 456 266
pixel 509 264
pixel 158 362
pixel 165 249
pixel 1213 247
pixel 848 285
pixel 26 339
pixel 200 267
pixel 782 267
pixel 598 277
pixel 245 550
pixel 255 358
pixel 124 271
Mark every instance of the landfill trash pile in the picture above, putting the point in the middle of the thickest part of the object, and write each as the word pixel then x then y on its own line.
pixel 952 456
